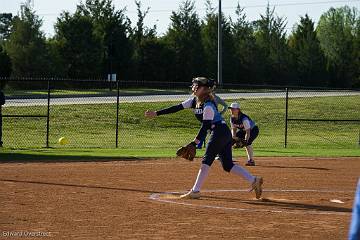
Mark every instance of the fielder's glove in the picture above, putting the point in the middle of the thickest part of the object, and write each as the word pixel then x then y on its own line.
pixel 188 152
pixel 239 143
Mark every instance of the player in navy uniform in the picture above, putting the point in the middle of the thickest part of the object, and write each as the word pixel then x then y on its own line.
pixel 243 127
pixel 218 101
pixel 220 138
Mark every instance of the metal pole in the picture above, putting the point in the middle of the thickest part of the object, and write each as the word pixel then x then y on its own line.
pixel 220 80
pixel 286 115
pixel 48 116
pixel 117 113
pixel 110 55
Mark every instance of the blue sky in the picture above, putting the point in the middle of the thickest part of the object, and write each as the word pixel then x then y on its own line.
pixel 160 10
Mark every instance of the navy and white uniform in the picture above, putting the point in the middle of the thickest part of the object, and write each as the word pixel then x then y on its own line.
pixel 220 138
pixel 189 103
pixel 243 122
pixel 198 110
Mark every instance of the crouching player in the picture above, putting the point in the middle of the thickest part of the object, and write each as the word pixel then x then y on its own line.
pixel 243 130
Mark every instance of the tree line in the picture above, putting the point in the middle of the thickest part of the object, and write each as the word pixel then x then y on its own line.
pixel 98 39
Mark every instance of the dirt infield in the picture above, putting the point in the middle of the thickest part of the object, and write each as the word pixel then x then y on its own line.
pixel 127 200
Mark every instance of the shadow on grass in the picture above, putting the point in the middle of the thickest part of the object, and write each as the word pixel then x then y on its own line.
pixel 48 158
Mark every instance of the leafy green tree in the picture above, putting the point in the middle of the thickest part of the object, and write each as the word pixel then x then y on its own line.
pixel 113 29
pixel 79 47
pixel 58 67
pixel 184 39
pixel 156 58
pixel 356 53
pixel 271 39
pixel 144 40
pixel 210 42
pixel 209 37
pixel 336 31
pixel 141 31
pixel 26 45
pixel 5 26
pixel 5 64
pixel 247 67
pixel 309 58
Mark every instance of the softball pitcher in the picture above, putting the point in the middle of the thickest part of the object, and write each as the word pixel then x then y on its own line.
pixel 218 101
pixel 220 139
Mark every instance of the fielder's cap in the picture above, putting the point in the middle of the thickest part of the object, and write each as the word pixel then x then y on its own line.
pixel 234 105
pixel 203 81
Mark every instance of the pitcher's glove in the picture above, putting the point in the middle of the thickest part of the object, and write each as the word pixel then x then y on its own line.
pixel 188 152
pixel 239 143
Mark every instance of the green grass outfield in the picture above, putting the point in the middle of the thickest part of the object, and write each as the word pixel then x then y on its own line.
pixel 91 129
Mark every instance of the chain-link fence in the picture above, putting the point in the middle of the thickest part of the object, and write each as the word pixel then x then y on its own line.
pixel 323 118
pixel 25 114
pixel 99 114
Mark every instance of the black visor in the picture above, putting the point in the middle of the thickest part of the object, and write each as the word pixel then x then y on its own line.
pixel 202 81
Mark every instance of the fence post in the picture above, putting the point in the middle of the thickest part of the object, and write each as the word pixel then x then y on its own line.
pixel 286 115
pixel 48 115
pixel 117 113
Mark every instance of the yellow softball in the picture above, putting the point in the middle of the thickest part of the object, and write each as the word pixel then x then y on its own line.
pixel 63 141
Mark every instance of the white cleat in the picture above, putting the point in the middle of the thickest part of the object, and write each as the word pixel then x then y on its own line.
pixel 191 195
pixel 257 187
